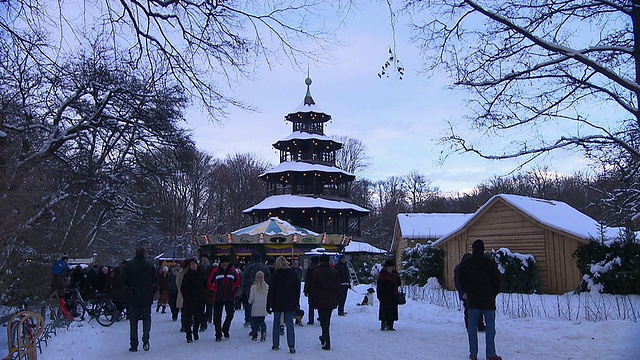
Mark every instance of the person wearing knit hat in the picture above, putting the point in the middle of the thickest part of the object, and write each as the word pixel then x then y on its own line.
pixel 387 293
pixel 139 278
pixel 478 246
pixel 456 282
pixel 479 280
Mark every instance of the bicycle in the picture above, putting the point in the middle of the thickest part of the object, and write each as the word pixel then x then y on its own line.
pixel 100 308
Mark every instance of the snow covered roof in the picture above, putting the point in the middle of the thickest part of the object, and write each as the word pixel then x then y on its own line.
pixel 550 213
pixel 321 251
pixel 303 202
pixel 308 105
pixel 274 226
pixel 357 246
pixel 303 135
pixel 299 166
pixel 429 225
pixel 307 108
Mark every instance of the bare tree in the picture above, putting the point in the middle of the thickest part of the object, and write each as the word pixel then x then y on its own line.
pixel 419 192
pixel 540 68
pixel 353 156
pixel 203 45
pixel 541 76
pixel 234 186
pixel 72 135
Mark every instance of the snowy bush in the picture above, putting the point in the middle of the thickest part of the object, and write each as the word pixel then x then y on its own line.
pixel 519 272
pixel 367 268
pixel 421 263
pixel 610 267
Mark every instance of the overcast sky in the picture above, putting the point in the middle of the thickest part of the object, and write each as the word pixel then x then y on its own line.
pixel 399 121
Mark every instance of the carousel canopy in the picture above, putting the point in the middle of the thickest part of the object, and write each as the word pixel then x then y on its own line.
pixel 274 226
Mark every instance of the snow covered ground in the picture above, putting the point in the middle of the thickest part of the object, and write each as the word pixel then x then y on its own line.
pixel 425 331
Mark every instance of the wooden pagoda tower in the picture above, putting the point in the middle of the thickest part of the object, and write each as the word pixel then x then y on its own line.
pixel 307 189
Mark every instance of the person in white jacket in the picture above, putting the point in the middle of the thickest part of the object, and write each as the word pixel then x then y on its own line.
pixel 258 300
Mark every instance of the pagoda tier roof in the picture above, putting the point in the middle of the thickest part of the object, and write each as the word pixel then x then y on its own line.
pixel 308 108
pixel 300 166
pixel 303 202
pixel 308 105
pixel 303 135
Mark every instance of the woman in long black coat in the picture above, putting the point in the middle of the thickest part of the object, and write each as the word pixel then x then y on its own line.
pixel 387 292
pixel 324 286
pixel 283 299
pixel 192 288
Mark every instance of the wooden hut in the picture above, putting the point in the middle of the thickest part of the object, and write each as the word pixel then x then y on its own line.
pixel 549 230
pixel 422 228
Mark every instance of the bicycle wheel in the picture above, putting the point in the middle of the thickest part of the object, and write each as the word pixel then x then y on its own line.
pixel 106 314
pixel 77 309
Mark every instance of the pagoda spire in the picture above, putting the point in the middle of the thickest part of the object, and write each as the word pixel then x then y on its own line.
pixel 308 100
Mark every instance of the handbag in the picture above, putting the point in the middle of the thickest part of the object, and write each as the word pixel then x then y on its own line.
pixel 402 299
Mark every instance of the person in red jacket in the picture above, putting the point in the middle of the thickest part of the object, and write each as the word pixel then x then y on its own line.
pixel 224 281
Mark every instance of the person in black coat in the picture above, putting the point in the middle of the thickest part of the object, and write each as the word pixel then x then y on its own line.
pixel 139 276
pixel 387 293
pixel 456 282
pixel 479 280
pixel 324 286
pixel 117 291
pixel 307 276
pixel 173 291
pixel 283 298
pixel 193 289
pixel 90 282
pixel 345 284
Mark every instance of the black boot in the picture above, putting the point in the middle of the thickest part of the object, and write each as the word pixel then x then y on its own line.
pixel 327 345
pixel 383 326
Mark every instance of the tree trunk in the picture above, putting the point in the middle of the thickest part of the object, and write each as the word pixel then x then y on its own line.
pixel 635 19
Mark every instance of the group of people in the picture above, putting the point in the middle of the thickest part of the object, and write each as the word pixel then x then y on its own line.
pixel 88 280
pixel 201 292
